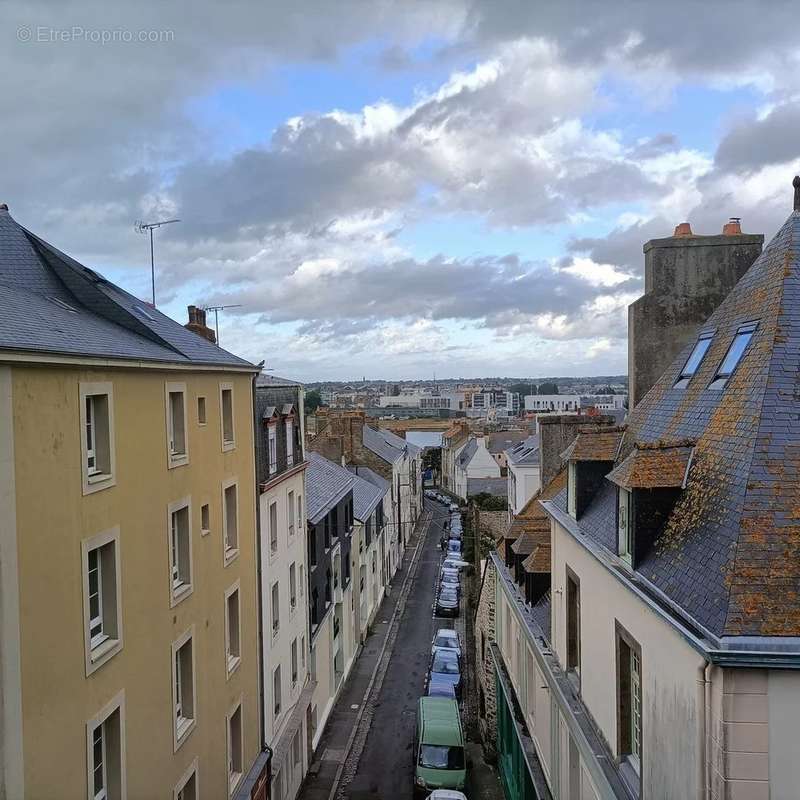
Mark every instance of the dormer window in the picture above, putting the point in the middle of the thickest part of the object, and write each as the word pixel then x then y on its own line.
pixel 734 355
pixel 694 360
pixel 572 489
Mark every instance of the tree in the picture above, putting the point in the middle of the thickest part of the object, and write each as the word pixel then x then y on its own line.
pixel 432 459
pixel 313 401
pixel 548 388
pixel 395 391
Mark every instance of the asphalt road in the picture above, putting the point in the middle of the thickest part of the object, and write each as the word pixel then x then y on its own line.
pixel 385 769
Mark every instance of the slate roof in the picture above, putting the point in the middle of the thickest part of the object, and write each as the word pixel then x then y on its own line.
pixel 326 484
pixel 526 452
pixel 388 445
pixel 53 304
pixel 648 467
pixel 370 475
pixel 366 497
pixel 729 555
pixel 501 441
pixel 465 456
pixel 265 379
pixel 594 443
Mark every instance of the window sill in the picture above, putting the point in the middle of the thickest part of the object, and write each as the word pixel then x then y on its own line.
pixel 630 775
pixel 205 531
pixel 233 781
pixel 231 554
pixel 232 665
pixel 96 483
pixel 180 594
pixel 183 729
pixel 101 654
pixel 228 446
pixel 177 461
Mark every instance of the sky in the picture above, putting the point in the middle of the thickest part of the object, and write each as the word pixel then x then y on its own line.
pixel 397 189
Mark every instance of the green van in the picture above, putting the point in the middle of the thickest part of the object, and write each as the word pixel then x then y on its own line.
pixel 439 760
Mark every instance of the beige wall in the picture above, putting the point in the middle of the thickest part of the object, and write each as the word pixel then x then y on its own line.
pixel 53 517
pixel 669 668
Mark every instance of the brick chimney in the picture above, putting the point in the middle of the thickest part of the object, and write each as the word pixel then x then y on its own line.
pixel 686 276
pixel 197 324
pixel 556 434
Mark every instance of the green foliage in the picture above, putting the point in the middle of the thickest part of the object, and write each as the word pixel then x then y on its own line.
pixel 489 502
pixel 547 388
pixel 313 401
pixel 432 459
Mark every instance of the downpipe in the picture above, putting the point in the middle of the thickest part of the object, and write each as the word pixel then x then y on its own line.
pixel 703 724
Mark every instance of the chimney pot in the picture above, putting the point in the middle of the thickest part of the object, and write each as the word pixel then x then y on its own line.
pixel 192 314
pixel 684 229
pixel 732 227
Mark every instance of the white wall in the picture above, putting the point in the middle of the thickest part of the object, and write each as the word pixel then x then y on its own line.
pixel 669 667
pixel 524 482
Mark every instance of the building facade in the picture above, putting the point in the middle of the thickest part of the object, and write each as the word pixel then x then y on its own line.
pixel 137 568
pixel 524 476
pixel 287 686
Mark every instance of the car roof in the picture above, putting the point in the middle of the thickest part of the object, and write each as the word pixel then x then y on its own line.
pixel 441 724
pixel 447 632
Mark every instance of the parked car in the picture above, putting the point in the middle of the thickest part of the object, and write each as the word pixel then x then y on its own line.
pixel 455 535
pixel 446 665
pixel 446 639
pixel 447 603
pixel 453 562
pixel 448 578
pixel 439 760
pixel 446 794
pixel 439 686
pixel 454 547
pixel 453 507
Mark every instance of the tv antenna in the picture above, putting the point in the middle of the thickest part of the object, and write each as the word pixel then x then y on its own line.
pixel 216 310
pixel 144 227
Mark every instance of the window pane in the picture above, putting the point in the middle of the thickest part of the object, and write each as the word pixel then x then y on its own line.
pixel 700 349
pixel 98 767
pixel 735 352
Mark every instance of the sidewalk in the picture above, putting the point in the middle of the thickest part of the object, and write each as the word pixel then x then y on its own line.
pixel 343 720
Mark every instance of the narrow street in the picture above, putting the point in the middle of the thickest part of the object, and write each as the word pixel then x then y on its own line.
pixel 378 763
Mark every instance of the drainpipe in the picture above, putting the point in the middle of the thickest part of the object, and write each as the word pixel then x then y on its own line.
pixel 703 706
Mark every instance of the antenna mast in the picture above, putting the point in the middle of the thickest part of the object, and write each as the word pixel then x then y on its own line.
pixel 145 227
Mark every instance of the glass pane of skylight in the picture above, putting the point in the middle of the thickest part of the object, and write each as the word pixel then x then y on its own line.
pixel 700 349
pixel 743 336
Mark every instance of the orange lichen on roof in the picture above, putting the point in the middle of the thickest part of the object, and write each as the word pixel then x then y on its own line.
pixel 653 468
pixel 539 560
pixel 595 444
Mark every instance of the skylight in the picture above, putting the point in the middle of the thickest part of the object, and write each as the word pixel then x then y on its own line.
pixel 139 310
pixel 693 362
pixel 733 356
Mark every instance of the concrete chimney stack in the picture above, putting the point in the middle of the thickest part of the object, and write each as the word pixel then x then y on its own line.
pixel 686 276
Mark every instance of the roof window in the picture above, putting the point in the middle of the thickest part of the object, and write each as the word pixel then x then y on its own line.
pixel 142 313
pixel 733 356
pixel 694 360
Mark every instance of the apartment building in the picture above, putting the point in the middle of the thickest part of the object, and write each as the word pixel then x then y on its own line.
pixel 454 439
pixel 388 549
pixel 331 602
pixel 127 542
pixel 287 685
pixel 473 467
pixel 344 437
pixel 664 659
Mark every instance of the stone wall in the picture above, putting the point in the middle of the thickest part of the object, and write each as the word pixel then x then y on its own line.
pixel 484 670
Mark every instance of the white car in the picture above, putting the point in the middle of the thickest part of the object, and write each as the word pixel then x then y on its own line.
pixel 446 794
pixel 451 562
pixel 453 507
pixel 446 639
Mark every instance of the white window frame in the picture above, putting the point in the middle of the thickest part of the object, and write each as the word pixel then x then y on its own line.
pixel 97 481
pixel 117 703
pixel 272 448
pixel 275 607
pixel 193 770
pixel 202 400
pixel 230 554
pixel 276 712
pixel 234 778
pixel 292 587
pixel 176 459
pixel 103 650
pixel 233 661
pixel 204 531
pixel 572 489
pixel 177 594
pixel 274 538
pixel 183 729
pixel 227 444
pixel 290 441
pixel 294 662
pixel 290 512
pixel 624 532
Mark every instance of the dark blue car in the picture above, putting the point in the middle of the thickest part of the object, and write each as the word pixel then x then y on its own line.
pixel 446 667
